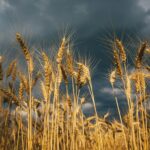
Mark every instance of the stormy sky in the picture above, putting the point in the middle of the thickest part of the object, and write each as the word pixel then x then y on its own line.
pixel 90 22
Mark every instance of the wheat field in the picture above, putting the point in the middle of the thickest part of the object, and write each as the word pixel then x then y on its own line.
pixel 55 119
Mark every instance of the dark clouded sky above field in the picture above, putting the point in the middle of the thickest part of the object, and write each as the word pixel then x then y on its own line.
pixel 42 20
pixel 44 17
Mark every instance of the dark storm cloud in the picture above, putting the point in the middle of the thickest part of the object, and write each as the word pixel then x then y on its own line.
pixel 85 16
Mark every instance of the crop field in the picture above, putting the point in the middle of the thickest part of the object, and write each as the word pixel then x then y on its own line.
pixel 55 120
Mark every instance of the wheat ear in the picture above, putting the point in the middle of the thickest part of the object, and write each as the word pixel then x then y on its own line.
pixel 138 61
pixel 121 50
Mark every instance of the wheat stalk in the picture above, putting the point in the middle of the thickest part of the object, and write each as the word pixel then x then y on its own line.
pixel 10 95
pixel 138 61
pixel 121 50
pixel 61 51
pixel 118 65
pixel 24 81
pixel 112 77
pixel 10 68
pixel 83 76
pixel 23 46
pixel 69 62
pixel 20 92
pixel 1 68
pixel 64 75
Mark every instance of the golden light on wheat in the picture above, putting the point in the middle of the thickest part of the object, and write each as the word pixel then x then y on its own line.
pixel 56 119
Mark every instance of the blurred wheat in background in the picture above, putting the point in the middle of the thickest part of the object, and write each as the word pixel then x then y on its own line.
pixel 55 120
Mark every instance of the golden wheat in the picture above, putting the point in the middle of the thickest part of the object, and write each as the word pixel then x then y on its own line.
pixel 121 49
pixel 50 116
pixel 118 64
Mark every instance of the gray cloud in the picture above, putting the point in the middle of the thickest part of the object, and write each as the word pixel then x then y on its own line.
pixel 86 16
